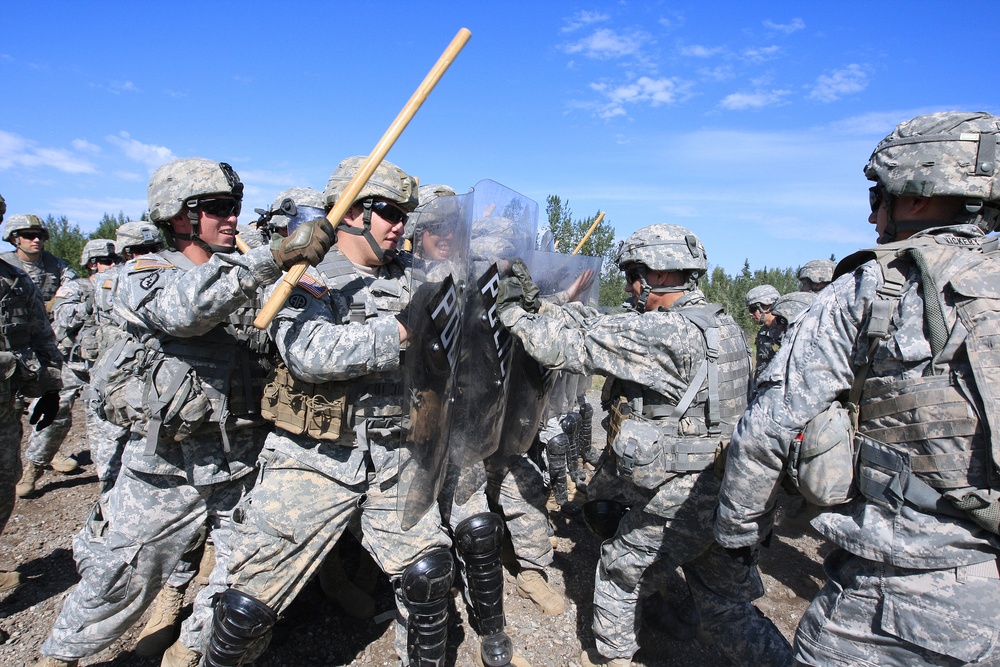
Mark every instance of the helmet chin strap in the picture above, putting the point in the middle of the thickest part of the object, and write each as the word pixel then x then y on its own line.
pixel 194 237
pixel 647 289
pixel 384 256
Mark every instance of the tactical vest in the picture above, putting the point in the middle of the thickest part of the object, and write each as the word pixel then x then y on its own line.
pixel 324 410
pixel 51 272
pixel 15 301
pixel 690 435
pixel 933 442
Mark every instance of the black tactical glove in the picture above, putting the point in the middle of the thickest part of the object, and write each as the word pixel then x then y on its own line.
pixel 309 242
pixel 518 289
pixel 44 412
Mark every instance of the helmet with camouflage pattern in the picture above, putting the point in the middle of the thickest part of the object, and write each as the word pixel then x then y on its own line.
pixel 663 247
pixel 285 211
pixel 427 195
pixel 137 234
pixel 97 248
pixel 790 306
pixel 947 154
pixel 496 237
pixel 180 181
pixel 3 207
pixel 818 271
pixel 23 223
pixel 765 295
pixel 387 182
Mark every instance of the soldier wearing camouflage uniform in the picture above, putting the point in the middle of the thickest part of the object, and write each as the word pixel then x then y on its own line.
pixel 760 299
pixel 682 368
pixel 816 274
pixel 905 333
pixel 29 366
pixel 337 404
pixel 196 432
pixel 27 233
pixel 75 327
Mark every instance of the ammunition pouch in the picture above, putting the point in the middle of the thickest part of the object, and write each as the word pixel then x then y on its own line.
pixel 649 458
pixel 317 410
pixel 619 411
pixel 821 460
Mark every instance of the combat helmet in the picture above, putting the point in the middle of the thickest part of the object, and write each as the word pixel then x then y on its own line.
pixel 947 154
pixel 3 207
pixel 97 248
pixel 792 305
pixel 663 247
pixel 818 272
pixel 138 234
pixel 388 182
pixel 765 295
pixel 177 185
pixel 427 195
pixel 22 223
pixel 291 208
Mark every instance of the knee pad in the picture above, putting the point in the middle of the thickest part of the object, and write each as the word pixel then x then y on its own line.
pixel 603 517
pixel 239 622
pixel 480 535
pixel 569 423
pixel 557 446
pixel 424 588
pixel 428 579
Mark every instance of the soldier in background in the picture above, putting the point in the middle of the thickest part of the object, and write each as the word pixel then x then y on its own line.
pixel 29 366
pixel 681 368
pixel 905 334
pixel 27 233
pixel 760 299
pixel 197 430
pixel 75 326
pixel 815 275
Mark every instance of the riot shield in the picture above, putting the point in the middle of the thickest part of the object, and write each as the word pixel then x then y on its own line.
pixel 439 272
pixel 530 383
pixel 504 229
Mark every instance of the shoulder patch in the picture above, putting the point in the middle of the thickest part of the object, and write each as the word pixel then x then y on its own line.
pixel 63 291
pixel 144 264
pixel 313 286
pixel 108 283
pixel 296 301
pixel 149 281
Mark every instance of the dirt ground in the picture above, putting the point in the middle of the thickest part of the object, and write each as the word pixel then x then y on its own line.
pixel 38 542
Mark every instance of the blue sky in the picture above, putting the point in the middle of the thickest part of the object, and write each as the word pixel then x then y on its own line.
pixel 749 123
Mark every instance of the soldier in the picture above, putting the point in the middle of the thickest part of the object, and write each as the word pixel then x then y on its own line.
pixel 29 365
pixel 815 275
pixel 28 235
pixel 75 326
pixel 682 365
pixel 760 299
pixel 196 432
pixel 337 404
pixel 902 335
pixel 787 310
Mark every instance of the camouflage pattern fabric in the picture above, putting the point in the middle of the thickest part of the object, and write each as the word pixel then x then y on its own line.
pixel 49 273
pixel 766 344
pixel 10 458
pixel 518 489
pixel 661 351
pixel 815 365
pixel 123 562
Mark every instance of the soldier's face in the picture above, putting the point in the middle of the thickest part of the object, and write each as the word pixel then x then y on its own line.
pixel 31 243
pixel 215 228
pixel 437 246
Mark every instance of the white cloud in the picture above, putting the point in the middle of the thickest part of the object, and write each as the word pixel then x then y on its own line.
pixel 644 90
pixel 834 85
pixel 755 100
pixel 17 151
pixel 699 51
pixel 88 212
pixel 794 25
pixel 582 19
pixel 85 146
pixel 605 44
pixel 150 155
pixel 761 54
pixel 719 73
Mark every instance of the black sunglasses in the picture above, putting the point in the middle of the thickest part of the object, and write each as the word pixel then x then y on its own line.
pixel 876 194
pixel 31 236
pixel 220 208
pixel 754 307
pixel 632 275
pixel 390 212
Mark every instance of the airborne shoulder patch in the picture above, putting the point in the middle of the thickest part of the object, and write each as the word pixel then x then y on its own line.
pixel 313 286
pixel 151 264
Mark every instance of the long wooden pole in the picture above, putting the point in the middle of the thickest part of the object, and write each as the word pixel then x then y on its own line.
pixel 381 149
pixel 600 216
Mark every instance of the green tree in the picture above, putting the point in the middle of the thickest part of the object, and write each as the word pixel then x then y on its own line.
pixel 65 240
pixel 730 291
pixel 567 234
pixel 108 226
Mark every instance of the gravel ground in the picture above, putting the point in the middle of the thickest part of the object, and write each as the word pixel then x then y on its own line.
pixel 38 542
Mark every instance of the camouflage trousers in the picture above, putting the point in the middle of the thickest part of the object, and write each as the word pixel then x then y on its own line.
pixel 10 458
pixel 877 615
pixel 129 546
pixel 723 587
pixel 518 489
pixel 106 440
pixel 294 516
pixel 43 445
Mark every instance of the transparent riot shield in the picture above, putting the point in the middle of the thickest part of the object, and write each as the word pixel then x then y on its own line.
pixel 434 320
pixel 530 383
pixel 503 229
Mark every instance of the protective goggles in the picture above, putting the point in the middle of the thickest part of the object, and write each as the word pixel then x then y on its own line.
pixel 220 208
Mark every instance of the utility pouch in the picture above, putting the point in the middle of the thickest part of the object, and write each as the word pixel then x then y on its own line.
pixel 315 410
pixel 821 460
pixel 639 454
pixel 619 412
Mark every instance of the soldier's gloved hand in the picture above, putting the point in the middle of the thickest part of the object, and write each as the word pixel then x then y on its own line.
pixel 745 555
pixel 44 412
pixel 309 242
pixel 517 289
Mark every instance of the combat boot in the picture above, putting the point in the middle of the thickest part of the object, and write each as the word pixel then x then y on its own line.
pixel 63 464
pixel 56 662
pixel 206 564
pixel 32 473
pixel 179 655
pixel 9 581
pixel 164 623
pixel 531 584
pixel 592 658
